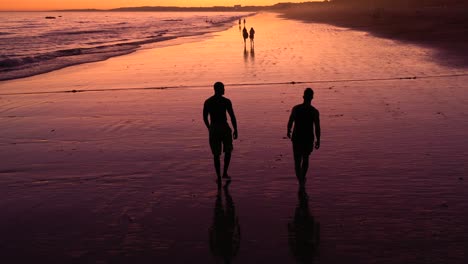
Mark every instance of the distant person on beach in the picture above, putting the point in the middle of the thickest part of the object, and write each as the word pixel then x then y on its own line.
pixel 245 34
pixel 251 36
pixel 306 121
pixel 220 134
pixel 244 21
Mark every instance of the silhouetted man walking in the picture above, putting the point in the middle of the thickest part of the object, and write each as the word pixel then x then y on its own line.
pixel 220 133
pixel 251 36
pixel 306 121
pixel 245 35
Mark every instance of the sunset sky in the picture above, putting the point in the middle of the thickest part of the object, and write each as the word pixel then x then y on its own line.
pixel 106 4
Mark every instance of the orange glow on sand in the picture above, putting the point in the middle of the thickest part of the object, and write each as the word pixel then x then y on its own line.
pixel 34 5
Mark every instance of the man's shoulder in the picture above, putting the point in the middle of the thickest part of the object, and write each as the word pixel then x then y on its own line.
pixel 209 99
pixel 217 100
pixel 304 108
pixel 296 107
pixel 315 110
pixel 226 100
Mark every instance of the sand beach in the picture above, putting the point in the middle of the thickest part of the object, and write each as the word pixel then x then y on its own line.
pixel 120 170
pixel 439 25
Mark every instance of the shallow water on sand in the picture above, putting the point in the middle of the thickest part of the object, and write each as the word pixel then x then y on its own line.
pixel 31 44
pixel 127 176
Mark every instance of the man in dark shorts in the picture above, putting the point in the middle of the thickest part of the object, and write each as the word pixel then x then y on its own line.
pixel 220 133
pixel 306 121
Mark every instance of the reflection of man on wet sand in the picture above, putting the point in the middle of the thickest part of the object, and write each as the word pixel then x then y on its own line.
pixel 225 230
pixel 306 121
pixel 220 133
pixel 304 231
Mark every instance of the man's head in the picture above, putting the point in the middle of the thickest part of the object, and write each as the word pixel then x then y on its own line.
pixel 219 88
pixel 308 94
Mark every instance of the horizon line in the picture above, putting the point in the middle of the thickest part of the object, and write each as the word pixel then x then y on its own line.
pixel 165 7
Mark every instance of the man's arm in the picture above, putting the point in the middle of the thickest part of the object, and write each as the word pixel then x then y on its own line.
pixel 233 119
pixel 205 116
pixel 317 130
pixel 292 117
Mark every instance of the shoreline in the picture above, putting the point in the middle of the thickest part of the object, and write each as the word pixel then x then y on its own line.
pixel 441 28
pixel 166 57
pixel 373 21
pixel 85 55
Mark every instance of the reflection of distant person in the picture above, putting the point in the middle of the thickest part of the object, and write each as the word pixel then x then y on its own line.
pixel 251 35
pixel 246 54
pixel 304 231
pixel 306 121
pixel 220 133
pixel 245 35
pixel 225 232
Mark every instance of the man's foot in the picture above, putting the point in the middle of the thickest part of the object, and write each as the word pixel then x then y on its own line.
pixel 228 182
pixel 226 176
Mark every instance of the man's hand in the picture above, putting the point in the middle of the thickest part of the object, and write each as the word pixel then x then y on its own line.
pixel 234 135
pixel 317 145
pixel 289 134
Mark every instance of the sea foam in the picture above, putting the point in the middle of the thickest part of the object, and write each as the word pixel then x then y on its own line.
pixel 31 45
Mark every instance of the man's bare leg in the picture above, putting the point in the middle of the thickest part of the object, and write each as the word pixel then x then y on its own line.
pixel 305 166
pixel 227 160
pixel 217 165
pixel 297 165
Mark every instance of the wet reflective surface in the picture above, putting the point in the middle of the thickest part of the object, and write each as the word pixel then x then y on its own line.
pixel 127 176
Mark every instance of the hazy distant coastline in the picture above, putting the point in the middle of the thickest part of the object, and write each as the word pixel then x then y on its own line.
pixel 173 9
pixel 237 8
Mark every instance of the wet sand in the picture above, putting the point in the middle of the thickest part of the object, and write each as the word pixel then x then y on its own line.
pixel 443 27
pixel 126 176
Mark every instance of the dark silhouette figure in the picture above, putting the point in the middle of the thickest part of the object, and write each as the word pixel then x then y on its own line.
pixel 251 36
pixel 244 22
pixel 219 131
pixel 245 35
pixel 225 234
pixel 306 121
pixel 304 231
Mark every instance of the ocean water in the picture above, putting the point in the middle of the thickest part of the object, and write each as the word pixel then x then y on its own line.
pixel 30 44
